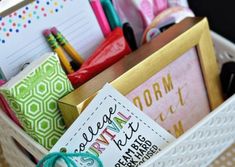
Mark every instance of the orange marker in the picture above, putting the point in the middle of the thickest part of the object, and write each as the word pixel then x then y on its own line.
pixel 56 47
pixel 66 45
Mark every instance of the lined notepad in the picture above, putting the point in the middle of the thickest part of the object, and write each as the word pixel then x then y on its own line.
pixel 21 38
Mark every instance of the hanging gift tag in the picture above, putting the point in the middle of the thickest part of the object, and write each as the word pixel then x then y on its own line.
pixel 114 130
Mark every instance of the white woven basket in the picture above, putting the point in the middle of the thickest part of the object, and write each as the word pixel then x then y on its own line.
pixel 197 147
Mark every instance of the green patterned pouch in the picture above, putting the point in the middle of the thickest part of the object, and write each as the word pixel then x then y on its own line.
pixel 33 96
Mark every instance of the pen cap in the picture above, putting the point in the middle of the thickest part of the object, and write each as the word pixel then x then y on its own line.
pixel 227 77
pixel 111 13
pixel 129 36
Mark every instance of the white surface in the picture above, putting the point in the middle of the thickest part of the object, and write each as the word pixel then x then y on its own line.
pixel 76 21
pixel 203 143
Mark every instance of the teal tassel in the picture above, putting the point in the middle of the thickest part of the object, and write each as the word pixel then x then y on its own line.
pixel 51 159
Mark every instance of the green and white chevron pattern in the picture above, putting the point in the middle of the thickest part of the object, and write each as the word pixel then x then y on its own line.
pixel 34 100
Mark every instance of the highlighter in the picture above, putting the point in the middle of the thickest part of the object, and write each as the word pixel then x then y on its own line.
pixel 100 15
pixel 111 14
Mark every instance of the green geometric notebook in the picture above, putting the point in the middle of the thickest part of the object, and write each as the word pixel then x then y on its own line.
pixel 33 96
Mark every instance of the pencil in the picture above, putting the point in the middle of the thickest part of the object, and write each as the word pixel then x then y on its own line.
pixel 67 46
pixel 56 47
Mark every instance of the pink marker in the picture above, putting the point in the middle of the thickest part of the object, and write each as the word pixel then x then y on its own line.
pixel 101 17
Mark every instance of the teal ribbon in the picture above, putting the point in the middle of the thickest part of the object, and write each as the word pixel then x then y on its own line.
pixel 51 159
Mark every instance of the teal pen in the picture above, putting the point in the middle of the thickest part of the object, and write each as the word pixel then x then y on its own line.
pixel 111 14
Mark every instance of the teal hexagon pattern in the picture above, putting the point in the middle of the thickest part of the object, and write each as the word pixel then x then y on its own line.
pixel 34 99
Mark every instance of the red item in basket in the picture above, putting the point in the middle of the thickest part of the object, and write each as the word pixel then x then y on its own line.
pixel 6 108
pixel 109 52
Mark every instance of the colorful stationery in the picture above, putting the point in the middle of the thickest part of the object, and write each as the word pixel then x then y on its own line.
pixel 100 15
pixel 159 6
pixel 129 36
pixel 6 108
pixel 33 95
pixel 21 38
pixel 112 49
pixel 165 19
pixel 128 12
pixel 67 46
pixel 111 14
pixel 112 125
pixel 56 47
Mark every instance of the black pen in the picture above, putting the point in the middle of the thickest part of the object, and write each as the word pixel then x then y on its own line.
pixel 129 36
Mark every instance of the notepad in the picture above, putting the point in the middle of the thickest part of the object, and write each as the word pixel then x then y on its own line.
pixel 21 38
pixel 115 131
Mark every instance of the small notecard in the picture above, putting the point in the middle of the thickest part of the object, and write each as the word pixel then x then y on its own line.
pixel 114 130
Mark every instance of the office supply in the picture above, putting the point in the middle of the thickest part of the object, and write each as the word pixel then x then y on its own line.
pixel 67 46
pixel 56 47
pixel 159 6
pixel 112 49
pixel 21 38
pixel 6 108
pixel 101 17
pixel 227 78
pixel 199 142
pixel 112 125
pixel 129 36
pixel 135 15
pixel 137 68
pixel 168 17
pixel 33 95
pixel 146 9
pixel 113 18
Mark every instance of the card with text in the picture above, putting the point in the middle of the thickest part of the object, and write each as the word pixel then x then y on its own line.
pixel 114 130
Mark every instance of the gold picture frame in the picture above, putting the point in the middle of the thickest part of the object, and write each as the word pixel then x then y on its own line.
pixel 136 68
